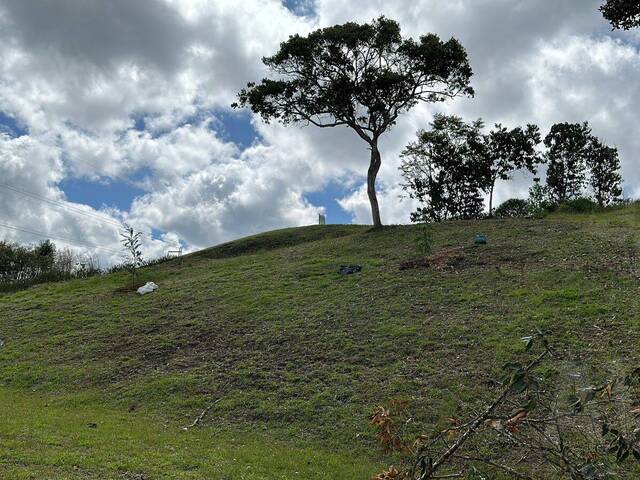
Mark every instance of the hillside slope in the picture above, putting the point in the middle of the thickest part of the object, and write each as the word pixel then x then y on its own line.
pixel 290 356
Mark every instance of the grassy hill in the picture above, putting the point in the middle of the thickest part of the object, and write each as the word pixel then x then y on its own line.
pixel 290 356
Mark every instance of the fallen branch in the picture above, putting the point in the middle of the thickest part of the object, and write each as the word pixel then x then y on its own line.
pixel 432 467
pixel 202 415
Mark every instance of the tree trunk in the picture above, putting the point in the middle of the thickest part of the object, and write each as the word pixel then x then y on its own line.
pixel 491 199
pixel 374 167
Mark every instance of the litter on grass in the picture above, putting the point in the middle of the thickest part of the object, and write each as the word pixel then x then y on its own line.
pixel 480 239
pixel 147 288
pixel 350 269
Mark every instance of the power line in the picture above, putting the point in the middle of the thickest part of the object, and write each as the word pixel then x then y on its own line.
pixel 76 243
pixel 58 204
pixel 69 208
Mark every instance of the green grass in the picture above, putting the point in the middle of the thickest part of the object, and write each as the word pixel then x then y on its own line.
pixel 295 355
pixel 53 437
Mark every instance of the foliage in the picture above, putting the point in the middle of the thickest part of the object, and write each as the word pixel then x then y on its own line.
pixel 23 266
pixel 560 427
pixel 605 179
pixel 579 205
pixel 45 253
pixel 132 244
pixel 443 172
pixel 504 151
pixel 446 168
pixel 361 76
pixel 567 149
pixel 389 422
pixel 513 208
pixel 540 200
pixel 425 238
pixel 576 157
pixel 623 14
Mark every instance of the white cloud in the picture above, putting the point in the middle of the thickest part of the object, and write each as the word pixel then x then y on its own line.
pixel 81 76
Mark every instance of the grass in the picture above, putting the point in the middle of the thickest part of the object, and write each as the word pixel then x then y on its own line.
pixel 295 355
pixel 53 437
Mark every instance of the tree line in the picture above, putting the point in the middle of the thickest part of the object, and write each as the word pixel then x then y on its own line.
pixel 453 165
pixel 22 266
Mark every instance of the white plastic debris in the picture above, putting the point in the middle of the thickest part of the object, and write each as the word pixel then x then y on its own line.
pixel 147 288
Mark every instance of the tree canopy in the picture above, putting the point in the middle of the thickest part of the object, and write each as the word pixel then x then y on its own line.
pixel 605 179
pixel 360 76
pixel 503 151
pixel 623 14
pixel 443 171
pixel 567 149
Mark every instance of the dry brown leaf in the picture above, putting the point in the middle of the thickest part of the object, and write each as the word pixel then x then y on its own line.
pixel 391 474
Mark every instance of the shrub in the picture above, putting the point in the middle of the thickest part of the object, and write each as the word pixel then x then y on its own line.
pixel 424 239
pixel 540 201
pixel 515 207
pixel 579 205
pixel 22 266
pixel 132 244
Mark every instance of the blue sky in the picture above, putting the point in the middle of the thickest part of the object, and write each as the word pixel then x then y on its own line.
pixel 10 127
pixel 300 7
pixel 230 126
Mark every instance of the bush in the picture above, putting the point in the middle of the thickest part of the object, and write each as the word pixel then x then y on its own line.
pixel 540 201
pixel 513 208
pixel 424 239
pixel 22 266
pixel 579 205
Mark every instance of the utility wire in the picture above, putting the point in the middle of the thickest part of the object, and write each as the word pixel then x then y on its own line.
pixel 77 243
pixel 67 207
pixel 56 203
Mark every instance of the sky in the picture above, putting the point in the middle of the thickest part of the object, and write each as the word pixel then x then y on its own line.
pixel 120 111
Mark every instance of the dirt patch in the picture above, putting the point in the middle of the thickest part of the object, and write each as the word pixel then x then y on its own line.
pixel 456 259
pixel 451 259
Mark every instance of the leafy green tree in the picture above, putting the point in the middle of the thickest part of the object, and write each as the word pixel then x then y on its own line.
pixel 567 149
pixel 540 199
pixel 425 238
pixel 605 179
pixel 443 171
pixel 358 76
pixel 505 151
pixel 623 14
pixel 513 208
pixel 45 254
pixel 132 244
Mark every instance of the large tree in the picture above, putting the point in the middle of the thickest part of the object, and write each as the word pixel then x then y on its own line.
pixel 504 151
pixel 623 14
pixel 444 172
pixel 605 179
pixel 567 149
pixel 361 77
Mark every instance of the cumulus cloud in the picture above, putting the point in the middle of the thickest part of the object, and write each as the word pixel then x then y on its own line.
pixel 135 93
